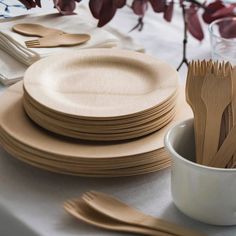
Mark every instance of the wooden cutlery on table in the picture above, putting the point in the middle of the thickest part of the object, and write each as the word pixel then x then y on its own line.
pixel 107 212
pixel 210 91
pixel 49 37
pixel 60 40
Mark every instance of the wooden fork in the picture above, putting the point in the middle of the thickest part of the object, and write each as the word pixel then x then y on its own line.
pixel 120 211
pixel 216 94
pixel 82 211
pixel 232 162
pixel 58 40
pixel 195 77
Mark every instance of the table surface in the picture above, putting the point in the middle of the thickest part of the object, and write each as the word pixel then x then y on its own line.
pixel 31 200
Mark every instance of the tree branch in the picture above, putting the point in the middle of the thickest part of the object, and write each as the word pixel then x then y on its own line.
pixel 185 40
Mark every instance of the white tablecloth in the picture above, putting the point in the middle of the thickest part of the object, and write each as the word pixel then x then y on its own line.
pixel 31 200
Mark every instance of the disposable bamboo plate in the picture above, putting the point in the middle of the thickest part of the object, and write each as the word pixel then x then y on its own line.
pixel 100 83
pixel 35 146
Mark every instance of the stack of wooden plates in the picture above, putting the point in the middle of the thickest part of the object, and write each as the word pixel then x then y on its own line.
pixel 101 95
pixel 30 143
pixel 51 104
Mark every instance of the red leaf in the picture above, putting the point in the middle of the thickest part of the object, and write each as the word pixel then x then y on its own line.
pixel 65 7
pixel 38 3
pixel 158 5
pixel 227 29
pixel 107 12
pixel 194 25
pixel 211 9
pixel 168 13
pixel 28 3
pixel 139 7
pixel 95 7
pixel 119 3
pixel 224 11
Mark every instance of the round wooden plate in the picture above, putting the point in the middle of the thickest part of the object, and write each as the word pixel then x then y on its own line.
pixel 100 83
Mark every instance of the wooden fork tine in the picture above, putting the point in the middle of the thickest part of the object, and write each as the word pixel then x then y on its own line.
pixel 86 197
pixel 190 72
pixel 89 195
pixel 69 203
pixel 189 75
pixel 216 68
pixel 31 41
pixel 220 69
pixel 32 44
pixel 193 68
pixel 197 68
pixel 228 69
pixel 224 69
pixel 202 67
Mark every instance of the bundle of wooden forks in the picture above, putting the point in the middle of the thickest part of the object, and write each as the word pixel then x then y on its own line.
pixel 211 93
pixel 48 37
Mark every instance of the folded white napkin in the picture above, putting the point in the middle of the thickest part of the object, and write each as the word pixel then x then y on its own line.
pixel 11 70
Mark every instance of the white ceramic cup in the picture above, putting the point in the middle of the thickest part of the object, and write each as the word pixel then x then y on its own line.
pixel 204 193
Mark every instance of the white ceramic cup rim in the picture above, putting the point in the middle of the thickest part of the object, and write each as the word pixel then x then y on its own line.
pixel 182 159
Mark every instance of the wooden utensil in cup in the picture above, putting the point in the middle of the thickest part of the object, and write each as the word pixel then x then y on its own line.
pixel 118 210
pixel 195 77
pixel 217 94
pixel 82 211
pixel 232 162
pixel 35 30
pixel 226 151
pixel 224 156
pixel 58 40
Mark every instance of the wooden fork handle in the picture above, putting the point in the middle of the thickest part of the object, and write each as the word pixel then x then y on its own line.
pixel 226 151
pixel 170 228
pixel 199 133
pixel 212 134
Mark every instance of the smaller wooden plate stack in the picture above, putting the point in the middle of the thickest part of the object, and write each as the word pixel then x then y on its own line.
pixel 101 95
pixel 82 100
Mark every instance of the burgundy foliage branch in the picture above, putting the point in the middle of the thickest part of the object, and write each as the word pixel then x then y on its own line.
pixel 185 40
pixel 192 11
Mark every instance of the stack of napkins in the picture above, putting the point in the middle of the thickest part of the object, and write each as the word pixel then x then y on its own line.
pixel 11 70
pixel 15 57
